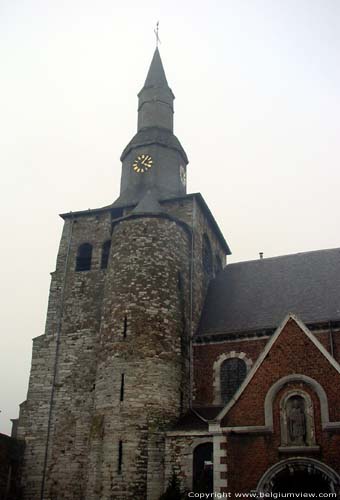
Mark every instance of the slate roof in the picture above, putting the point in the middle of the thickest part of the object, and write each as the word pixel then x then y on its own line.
pixel 155 135
pixel 191 420
pixel 156 74
pixel 256 295
pixel 148 204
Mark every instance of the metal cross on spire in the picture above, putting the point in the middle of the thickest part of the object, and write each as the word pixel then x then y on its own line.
pixel 156 30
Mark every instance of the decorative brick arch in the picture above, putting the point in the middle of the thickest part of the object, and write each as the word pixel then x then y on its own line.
pixel 217 371
pixel 299 463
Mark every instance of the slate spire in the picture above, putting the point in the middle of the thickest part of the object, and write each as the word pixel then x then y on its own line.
pixel 156 74
pixel 155 106
pixel 154 161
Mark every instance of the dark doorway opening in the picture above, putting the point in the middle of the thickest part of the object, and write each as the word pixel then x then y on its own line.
pixel 300 481
pixel 203 469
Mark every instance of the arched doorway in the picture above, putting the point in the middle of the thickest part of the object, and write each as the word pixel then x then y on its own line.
pixel 298 481
pixel 300 475
pixel 203 473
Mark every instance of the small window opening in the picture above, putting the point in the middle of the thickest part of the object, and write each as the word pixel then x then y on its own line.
pixel 105 254
pixel 122 387
pixel 125 327
pixel 84 257
pixel 120 457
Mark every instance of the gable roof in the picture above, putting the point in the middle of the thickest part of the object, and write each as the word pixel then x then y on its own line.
pixel 265 352
pixel 256 294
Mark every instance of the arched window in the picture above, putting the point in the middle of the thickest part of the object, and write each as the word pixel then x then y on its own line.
pixel 84 256
pixel 207 258
pixel 105 254
pixel 203 472
pixel 233 372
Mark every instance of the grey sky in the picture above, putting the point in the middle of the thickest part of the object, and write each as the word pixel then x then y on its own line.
pixel 257 86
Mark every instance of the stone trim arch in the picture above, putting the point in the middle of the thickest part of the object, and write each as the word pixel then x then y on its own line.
pixel 319 390
pixel 217 371
pixel 266 481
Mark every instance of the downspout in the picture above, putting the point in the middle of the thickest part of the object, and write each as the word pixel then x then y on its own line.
pixel 191 367
pixel 331 339
pixel 58 333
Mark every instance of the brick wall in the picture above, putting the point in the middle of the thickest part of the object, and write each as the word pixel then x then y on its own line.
pixel 250 455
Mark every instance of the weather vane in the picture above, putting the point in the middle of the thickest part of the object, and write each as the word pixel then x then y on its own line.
pixel 156 30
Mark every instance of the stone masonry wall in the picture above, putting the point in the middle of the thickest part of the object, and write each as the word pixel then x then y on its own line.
pixel 143 337
pixel 79 361
pixel 179 456
pixel 66 355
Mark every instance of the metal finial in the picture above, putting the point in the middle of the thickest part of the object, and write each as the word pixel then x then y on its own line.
pixel 156 30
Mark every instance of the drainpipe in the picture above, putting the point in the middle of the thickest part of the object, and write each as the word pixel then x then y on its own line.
pixel 331 339
pixel 62 299
pixel 191 377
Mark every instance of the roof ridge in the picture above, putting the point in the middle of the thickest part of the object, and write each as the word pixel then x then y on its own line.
pixel 282 256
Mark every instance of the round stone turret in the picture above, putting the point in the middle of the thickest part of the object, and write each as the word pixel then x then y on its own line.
pixel 143 368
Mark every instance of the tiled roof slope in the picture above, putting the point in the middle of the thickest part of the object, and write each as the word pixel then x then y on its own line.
pixel 257 294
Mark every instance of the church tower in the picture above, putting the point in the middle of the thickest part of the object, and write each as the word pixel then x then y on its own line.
pixel 113 370
pixel 157 158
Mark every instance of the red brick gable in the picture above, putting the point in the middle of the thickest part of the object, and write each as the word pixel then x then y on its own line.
pixel 293 351
pixel 205 356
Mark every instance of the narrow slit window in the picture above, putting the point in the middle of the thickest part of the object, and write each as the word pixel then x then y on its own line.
pixel 125 327
pixel 122 387
pixel 120 457
pixel 180 281
pixel 105 254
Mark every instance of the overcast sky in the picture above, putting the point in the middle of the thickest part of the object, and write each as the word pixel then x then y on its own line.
pixel 257 109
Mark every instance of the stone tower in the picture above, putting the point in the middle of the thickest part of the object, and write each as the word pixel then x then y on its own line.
pixel 113 370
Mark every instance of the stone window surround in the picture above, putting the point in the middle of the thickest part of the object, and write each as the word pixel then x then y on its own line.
pixel 217 371
pixel 310 434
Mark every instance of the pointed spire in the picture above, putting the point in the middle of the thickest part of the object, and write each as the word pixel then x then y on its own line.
pixel 155 107
pixel 154 137
pixel 156 75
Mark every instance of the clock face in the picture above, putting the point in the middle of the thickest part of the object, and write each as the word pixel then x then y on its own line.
pixel 182 175
pixel 142 163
